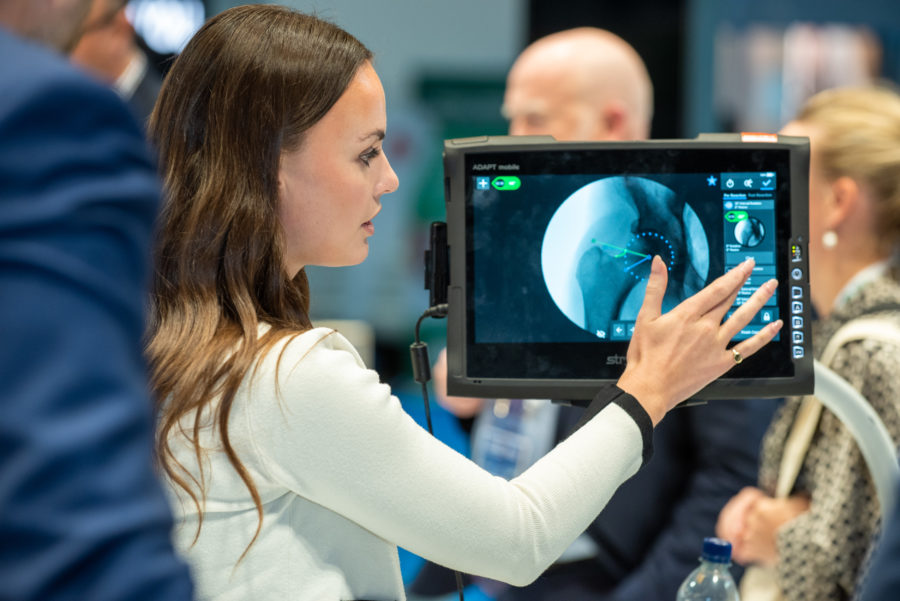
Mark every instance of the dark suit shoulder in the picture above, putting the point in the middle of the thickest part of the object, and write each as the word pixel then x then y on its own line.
pixel 68 144
pixel 41 88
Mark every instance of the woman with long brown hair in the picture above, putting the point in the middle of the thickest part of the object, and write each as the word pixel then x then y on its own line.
pixel 295 472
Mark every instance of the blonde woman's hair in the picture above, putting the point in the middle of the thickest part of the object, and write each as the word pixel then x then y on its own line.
pixel 859 137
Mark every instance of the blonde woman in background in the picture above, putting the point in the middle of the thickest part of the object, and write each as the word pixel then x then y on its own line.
pixel 815 537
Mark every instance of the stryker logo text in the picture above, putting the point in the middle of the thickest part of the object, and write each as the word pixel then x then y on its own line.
pixel 616 360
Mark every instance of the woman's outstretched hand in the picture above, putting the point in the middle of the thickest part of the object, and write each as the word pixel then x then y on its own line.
pixel 672 356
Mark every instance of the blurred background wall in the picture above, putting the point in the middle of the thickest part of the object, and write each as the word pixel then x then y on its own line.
pixel 717 65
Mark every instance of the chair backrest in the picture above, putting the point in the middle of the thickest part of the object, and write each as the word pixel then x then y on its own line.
pixel 872 437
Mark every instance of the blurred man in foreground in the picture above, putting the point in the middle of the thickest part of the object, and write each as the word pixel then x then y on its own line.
pixel 82 515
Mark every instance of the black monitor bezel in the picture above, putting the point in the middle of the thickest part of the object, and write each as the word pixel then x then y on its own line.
pixel 515 383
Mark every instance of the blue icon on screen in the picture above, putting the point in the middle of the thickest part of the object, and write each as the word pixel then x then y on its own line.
pixel 483 183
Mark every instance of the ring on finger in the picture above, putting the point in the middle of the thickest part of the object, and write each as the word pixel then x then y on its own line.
pixel 738 357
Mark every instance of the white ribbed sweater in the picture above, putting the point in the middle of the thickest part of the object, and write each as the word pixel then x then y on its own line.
pixel 346 476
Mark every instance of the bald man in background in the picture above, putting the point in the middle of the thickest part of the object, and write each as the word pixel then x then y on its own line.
pixel 579 84
pixel 589 84
pixel 82 515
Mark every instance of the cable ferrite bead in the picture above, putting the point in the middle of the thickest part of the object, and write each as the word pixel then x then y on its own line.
pixel 418 352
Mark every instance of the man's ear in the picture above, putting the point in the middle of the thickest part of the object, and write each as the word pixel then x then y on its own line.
pixel 844 200
pixel 614 119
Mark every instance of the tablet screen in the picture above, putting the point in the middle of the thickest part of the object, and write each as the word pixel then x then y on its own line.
pixel 551 244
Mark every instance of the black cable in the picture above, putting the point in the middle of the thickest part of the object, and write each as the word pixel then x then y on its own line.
pixel 418 351
pixel 427 408
pixel 459 584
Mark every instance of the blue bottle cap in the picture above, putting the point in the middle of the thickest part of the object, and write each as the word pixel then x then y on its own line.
pixel 716 550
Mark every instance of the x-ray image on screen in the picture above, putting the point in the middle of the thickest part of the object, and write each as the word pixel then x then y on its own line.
pixel 598 246
pixel 750 232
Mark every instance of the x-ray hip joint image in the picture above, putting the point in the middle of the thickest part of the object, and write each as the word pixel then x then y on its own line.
pixel 598 246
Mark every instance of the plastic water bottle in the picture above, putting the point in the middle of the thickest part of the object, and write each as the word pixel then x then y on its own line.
pixel 711 580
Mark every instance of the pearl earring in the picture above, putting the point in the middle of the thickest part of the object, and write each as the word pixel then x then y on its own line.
pixel 829 239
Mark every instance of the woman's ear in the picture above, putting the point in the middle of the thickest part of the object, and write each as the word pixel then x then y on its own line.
pixel 279 180
pixel 844 198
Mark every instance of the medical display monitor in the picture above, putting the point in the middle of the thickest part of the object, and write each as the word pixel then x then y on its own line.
pixel 550 246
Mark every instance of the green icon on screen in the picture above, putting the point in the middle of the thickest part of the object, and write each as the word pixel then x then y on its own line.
pixel 735 216
pixel 506 182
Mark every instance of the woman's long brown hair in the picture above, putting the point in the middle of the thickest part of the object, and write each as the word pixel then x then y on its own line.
pixel 245 89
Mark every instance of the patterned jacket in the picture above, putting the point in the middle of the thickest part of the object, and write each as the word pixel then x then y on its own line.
pixel 822 553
